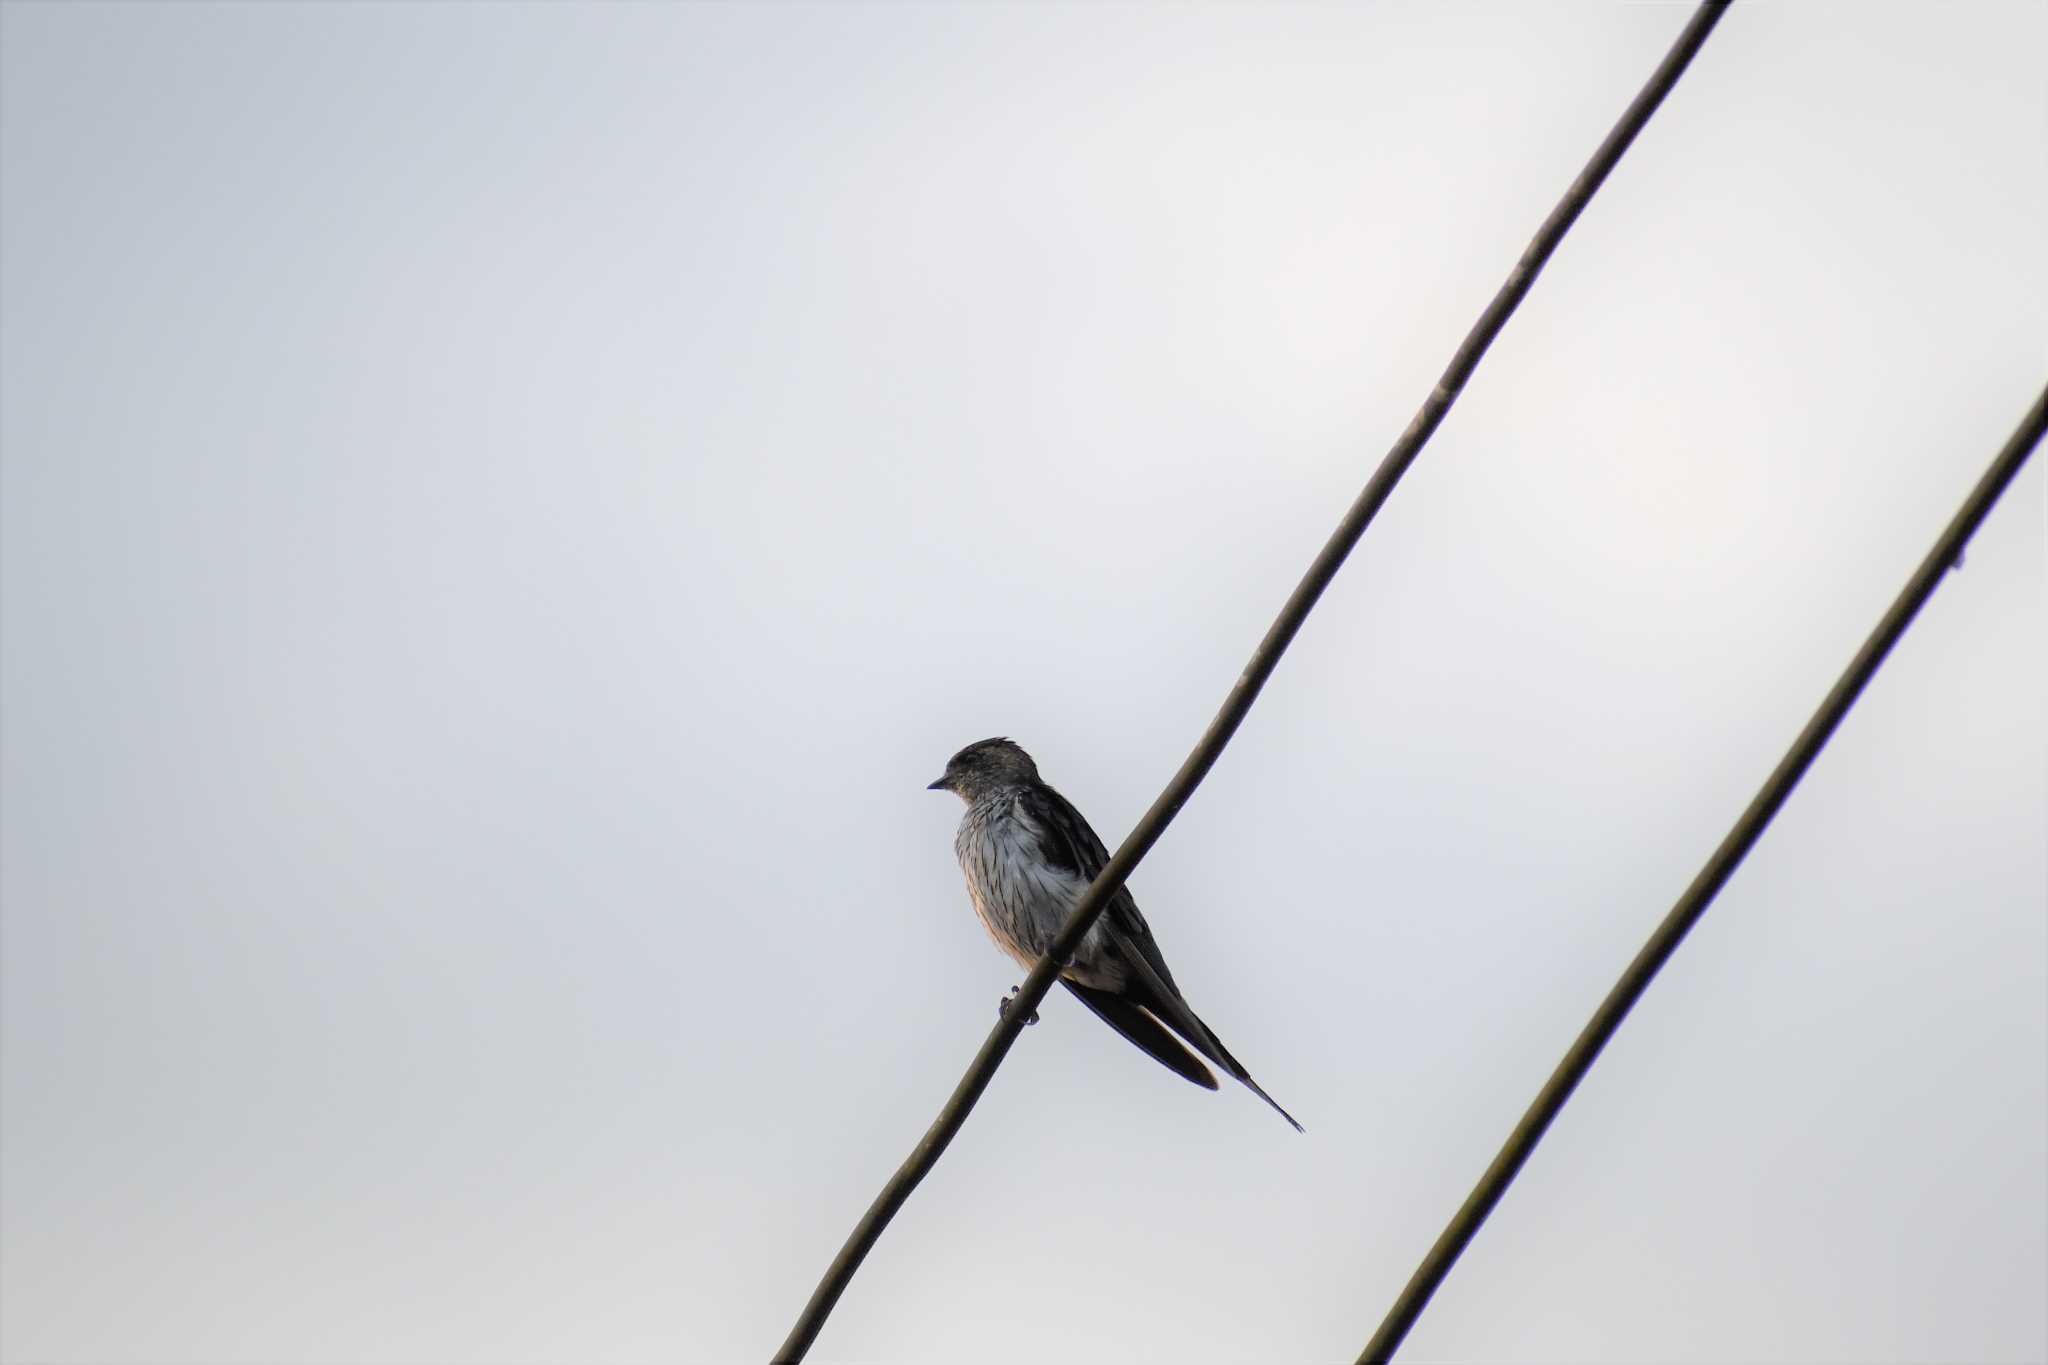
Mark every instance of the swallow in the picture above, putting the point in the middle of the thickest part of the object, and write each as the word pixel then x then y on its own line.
pixel 1028 855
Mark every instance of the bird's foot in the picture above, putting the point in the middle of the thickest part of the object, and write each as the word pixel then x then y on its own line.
pixel 1003 1008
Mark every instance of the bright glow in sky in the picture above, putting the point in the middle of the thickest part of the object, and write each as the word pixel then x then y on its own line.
pixel 505 508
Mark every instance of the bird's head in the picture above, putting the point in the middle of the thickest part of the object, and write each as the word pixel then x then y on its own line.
pixel 985 766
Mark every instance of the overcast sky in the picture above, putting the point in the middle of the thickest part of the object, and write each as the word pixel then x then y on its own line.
pixel 506 507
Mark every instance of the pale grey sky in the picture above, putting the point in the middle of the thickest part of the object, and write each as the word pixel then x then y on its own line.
pixel 505 508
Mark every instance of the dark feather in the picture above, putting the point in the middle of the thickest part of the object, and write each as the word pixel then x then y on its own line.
pixel 1070 844
pixel 1142 1029
pixel 1064 838
pixel 1173 1011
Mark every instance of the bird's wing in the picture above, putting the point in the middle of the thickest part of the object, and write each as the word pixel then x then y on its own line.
pixel 1067 842
pixel 1142 1029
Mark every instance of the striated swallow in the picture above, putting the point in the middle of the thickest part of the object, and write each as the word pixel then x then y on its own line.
pixel 1028 856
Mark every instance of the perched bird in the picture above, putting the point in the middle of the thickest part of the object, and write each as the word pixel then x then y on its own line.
pixel 1028 856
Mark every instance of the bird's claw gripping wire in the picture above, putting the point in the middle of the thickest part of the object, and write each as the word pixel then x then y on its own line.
pixel 1003 1007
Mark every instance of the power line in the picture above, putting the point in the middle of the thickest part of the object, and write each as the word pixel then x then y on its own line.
pixel 1464 1225
pixel 1235 707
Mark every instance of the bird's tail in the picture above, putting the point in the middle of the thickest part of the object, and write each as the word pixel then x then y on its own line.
pixel 1165 1003
pixel 1210 1046
pixel 1138 1025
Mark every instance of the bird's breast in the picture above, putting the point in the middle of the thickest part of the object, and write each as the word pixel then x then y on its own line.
pixel 1021 899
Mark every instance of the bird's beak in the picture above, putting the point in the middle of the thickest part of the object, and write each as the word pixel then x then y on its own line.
pixel 937 786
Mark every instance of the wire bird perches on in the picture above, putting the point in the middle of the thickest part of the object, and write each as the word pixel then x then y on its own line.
pixel 1246 690
pixel 1946 554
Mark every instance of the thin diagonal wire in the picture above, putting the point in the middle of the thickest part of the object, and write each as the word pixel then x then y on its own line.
pixel 1246 690
pixel 1946 554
